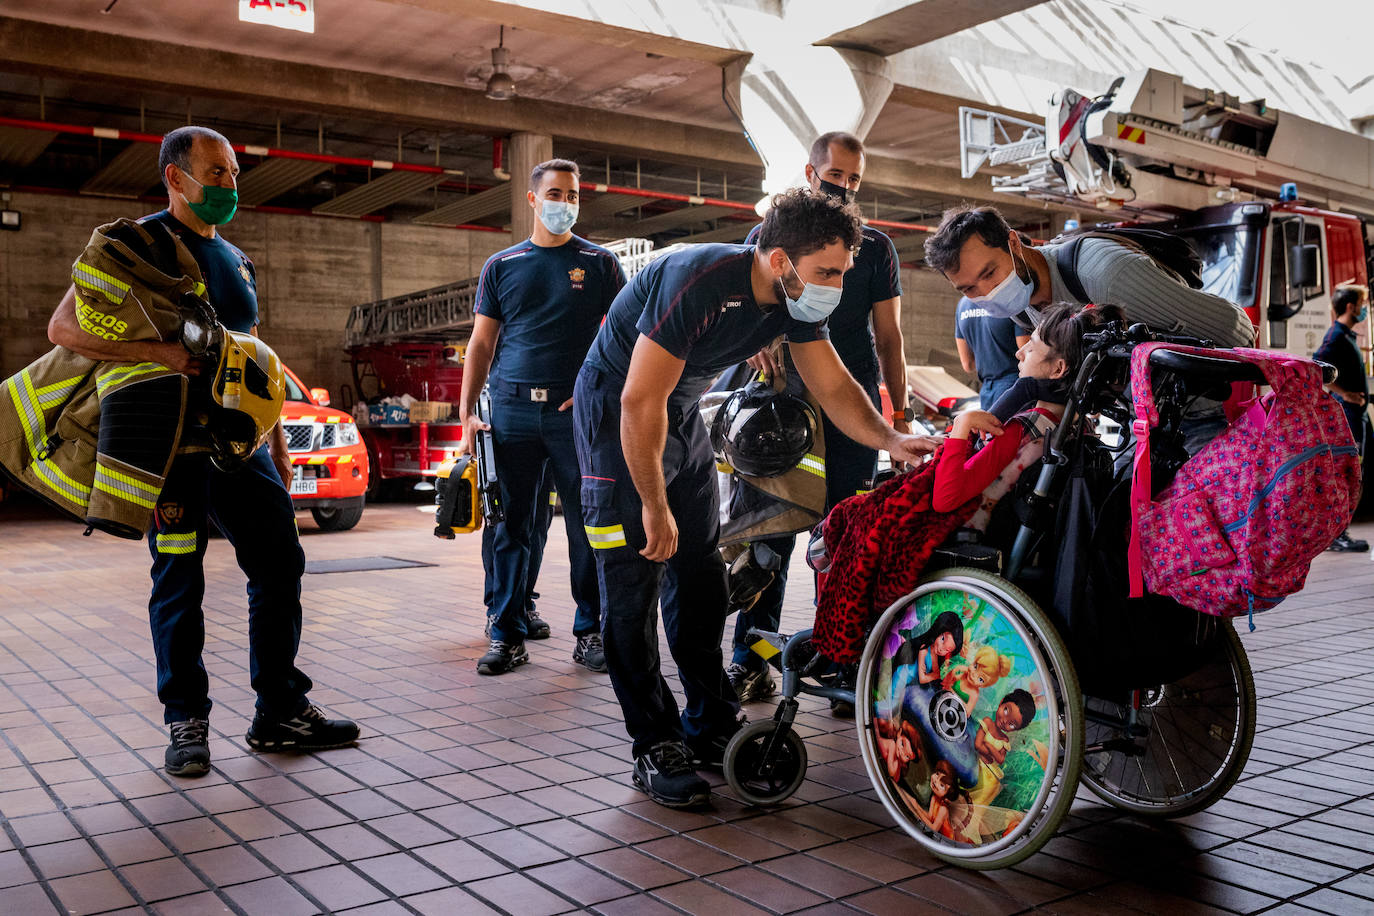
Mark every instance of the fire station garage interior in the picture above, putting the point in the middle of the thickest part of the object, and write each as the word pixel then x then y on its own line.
pixel 384 150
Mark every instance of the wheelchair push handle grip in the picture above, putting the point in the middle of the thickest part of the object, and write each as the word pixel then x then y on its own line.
pixel 1210 368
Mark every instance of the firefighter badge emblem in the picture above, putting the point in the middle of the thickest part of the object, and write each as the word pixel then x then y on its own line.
pixel 577 275
pixel 171 512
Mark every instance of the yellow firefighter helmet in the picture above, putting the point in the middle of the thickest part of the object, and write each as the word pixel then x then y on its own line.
pixel 248 387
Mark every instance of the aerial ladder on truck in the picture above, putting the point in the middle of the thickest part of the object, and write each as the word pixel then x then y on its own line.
pixel 414 344
pixel 1279 207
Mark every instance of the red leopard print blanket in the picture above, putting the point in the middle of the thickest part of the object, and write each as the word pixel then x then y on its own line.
pixel 879 543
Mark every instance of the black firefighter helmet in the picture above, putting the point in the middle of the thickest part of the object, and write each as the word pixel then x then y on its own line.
pixel 761 432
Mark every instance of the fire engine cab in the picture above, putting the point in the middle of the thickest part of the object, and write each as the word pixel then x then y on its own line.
pixel 1276 205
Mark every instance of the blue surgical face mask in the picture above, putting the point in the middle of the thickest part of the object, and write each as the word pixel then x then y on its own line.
pixel 557 216
pixel 815 303
pixel 1009 298
pixel 1364 313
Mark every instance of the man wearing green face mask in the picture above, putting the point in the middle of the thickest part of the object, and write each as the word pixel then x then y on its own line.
pixel 251 505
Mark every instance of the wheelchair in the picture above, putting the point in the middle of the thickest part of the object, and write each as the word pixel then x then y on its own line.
pixel 980 763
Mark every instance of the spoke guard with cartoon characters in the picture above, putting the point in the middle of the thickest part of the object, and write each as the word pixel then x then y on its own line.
pixel 959 716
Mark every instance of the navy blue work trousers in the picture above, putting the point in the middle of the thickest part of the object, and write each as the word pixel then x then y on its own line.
pixel 253 510
pixel 526 435
pixel 691 584
pixel 848 468
pixel 538 538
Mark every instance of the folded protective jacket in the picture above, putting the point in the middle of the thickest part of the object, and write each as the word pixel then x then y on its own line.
pixel 96 439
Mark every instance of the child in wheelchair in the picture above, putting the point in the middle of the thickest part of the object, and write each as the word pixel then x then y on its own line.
pixel 873 547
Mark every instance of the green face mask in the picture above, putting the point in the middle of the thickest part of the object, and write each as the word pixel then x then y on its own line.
pixel 217 205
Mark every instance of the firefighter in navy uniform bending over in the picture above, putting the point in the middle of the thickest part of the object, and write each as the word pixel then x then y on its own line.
pixel 865 330
pixel 539 304
pixel 251 505
pixel 648 474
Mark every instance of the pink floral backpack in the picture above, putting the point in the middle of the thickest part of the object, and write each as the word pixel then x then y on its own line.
pixel 1237 529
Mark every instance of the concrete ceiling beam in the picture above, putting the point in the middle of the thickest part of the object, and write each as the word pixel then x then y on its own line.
pixel 47 50
pixel 675 219
pixel 649 27
pixel 896 25
pixel 728 231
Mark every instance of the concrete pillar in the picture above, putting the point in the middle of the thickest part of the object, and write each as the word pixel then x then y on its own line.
pixel 786 96
pixel 523 152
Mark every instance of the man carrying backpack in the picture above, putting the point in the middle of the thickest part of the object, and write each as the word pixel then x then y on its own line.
pixel 1340 348
pixel 1144 272
pixel 984 260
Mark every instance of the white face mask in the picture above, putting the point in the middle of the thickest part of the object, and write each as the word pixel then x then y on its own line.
pixel 1009 298
pixel 816 301
pixel 557 216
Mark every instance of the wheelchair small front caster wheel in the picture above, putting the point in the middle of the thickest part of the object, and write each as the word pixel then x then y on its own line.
pixel 764 766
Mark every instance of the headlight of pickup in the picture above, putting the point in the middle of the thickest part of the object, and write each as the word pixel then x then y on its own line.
pixel 347 434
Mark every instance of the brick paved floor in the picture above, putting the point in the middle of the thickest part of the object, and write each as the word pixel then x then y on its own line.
pixel 473 795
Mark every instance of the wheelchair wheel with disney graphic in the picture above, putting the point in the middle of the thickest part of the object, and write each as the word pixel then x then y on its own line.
pixel 970 719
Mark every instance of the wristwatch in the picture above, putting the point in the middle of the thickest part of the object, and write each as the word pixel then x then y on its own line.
pixel 905 415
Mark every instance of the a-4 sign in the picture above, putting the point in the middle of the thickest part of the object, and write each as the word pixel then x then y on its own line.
pixel 284 14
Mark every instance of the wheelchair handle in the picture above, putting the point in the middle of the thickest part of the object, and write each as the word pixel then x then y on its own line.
pixel 1210 368
pixel 1221 370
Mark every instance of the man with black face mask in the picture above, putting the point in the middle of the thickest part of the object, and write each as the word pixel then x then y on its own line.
pixel 866 332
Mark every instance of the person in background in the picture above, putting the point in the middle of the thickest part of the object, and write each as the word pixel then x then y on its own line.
pixel 866 331
pixel 987 345
pixel 539 304
pixel 1341 348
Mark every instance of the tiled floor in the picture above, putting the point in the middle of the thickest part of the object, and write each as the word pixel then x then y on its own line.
pixel 473 794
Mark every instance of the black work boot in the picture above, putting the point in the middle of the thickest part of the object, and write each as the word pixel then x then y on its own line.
pixel 189 752
pixel 665 774
pixel 307 730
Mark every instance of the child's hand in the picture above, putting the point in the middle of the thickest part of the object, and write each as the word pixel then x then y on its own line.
pixel 975 421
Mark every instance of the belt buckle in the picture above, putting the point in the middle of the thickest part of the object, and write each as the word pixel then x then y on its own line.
pixel 539 394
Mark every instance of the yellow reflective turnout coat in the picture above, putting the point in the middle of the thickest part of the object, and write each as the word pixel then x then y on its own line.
pixel 96 439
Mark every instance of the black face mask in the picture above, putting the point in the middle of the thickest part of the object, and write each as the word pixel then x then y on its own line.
pixel 842 194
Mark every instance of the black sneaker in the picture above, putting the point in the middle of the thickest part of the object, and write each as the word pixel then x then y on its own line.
pixel 666 776
pixel 307 730
pixel 590 653
pixel 1344 543
pixel 710 753
pixel 536 627
pixel 750 685
pixel 502 657
pixel 189 752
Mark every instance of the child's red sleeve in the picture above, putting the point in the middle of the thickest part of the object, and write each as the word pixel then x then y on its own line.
pixel 959 478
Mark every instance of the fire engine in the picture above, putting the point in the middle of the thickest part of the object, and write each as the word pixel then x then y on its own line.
pixel 1276 205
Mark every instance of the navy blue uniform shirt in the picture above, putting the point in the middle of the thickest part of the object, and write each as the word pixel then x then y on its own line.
pixel 698 304
pixel 231 283
pixel 991 338
pixel 550 302
pixel 875 277
pixel 1341 348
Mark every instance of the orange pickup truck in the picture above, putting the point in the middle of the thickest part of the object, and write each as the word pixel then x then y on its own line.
pixel 328 456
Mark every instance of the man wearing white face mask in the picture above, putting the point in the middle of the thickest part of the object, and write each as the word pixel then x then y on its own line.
pixel 648 488
pixel 984 260
pixel 542 302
